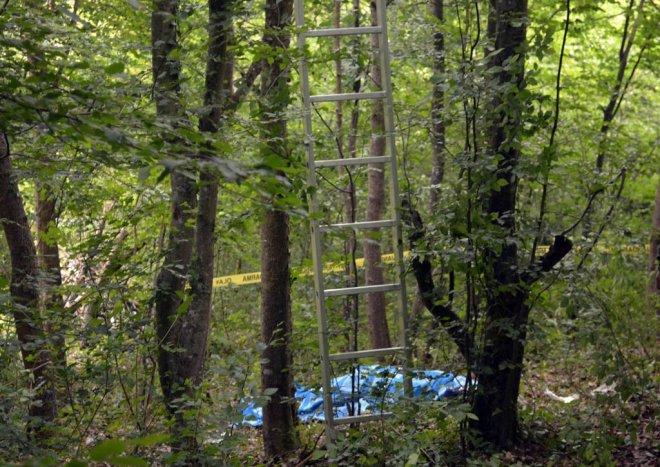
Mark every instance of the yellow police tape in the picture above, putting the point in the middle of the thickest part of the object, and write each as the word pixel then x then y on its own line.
pixel 255 277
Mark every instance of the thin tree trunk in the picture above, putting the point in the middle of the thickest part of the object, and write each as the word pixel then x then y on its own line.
pixel 279 432
pixel 633 18
pixel 349 195
pixel 48 250
pixel 219 71
pixel 379 335
pixel 438 153
pixel 49 262
pixel 500 366
pixel 654 254
pixel 438 107
pixel 24 292
pixel 619 88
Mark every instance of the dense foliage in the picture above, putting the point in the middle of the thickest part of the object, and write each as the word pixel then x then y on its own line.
pixel 79 113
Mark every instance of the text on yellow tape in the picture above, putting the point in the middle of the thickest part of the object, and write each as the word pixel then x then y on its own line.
pixel 255 277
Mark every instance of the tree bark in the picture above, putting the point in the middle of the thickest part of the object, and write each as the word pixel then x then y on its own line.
pixel 500 366
pixel 279 432
pixel 183 328
pixel 196 323
pixel 24 291
pixel 171 280
pixel 351 302
pixel 654 254
pixel 438 107
pixel 379 335
pixel 49 261
pixel 48 250
pixel 438 157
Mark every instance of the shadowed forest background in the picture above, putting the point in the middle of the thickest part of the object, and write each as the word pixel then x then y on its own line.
pixel 147 148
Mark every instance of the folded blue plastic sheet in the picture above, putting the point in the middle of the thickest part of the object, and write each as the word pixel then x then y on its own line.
pixel 375 388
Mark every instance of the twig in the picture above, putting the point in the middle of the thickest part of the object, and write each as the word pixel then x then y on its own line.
pixel 606 221
pixel 4 7
pixel 592 197
pixel 553 131
pixel 630 77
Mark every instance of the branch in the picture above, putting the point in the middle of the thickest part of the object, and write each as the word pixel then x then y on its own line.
pixel 608 216
pixel 248 81
pixel 586 211
pixel 592 198
pixel 630 77
pixel 431 298
pixel 559 249
pixel 4 7
pixel 553 131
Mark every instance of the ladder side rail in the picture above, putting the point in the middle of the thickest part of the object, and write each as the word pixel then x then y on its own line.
pixel 397 236
pixel 315 231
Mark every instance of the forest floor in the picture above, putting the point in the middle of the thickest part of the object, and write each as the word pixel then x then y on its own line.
pixel 569 418
pixel 572 418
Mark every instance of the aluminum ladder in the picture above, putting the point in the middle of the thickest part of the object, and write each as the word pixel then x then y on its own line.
pixel 318 228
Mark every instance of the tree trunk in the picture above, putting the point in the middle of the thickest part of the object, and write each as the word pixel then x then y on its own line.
pixel 49 261
pixel 438 160
pixel 351 302
pixel 500 365
pixel 183 331
pixel 438 107
pixel 279 432
pixel 48 250
pixel 630 28
pixel 196 323
pixel 24 292
pixel 633 18
pixel 654 254
pixel 379 335
pixel 171 280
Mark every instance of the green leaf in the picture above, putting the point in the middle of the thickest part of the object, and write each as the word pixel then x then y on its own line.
pixel 412 459
pixel 128 460
pixel 107 449
pixel 318 454
pixel 115 68
pixel 151 440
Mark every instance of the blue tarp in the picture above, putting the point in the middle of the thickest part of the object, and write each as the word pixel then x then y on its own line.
pixel 378 387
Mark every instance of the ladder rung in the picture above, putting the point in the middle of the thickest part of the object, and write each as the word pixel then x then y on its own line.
pixel 348 96
pixel 343 31
pixel 352 161
pixel 361 290
pixel 365 353
pixel 362 418
pixel 358 225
